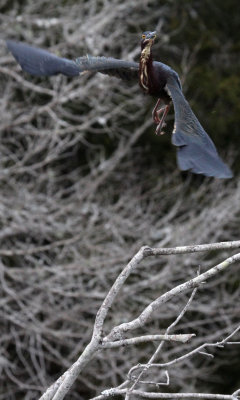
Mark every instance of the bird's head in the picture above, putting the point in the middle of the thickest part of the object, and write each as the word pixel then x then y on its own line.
pixel 148 39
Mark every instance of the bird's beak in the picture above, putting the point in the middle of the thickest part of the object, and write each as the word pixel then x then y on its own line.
pixel 153 34
pixel 150 37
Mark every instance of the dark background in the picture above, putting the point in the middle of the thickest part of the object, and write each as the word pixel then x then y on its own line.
pixel 84 183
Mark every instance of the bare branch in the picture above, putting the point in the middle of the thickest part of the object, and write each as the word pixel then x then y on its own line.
pixel 82 190
pixel 147 313
pixel 159 348
pixel 194 248
pixel 187 355
pixel 153 395
pixel 58 390
pixel 183 338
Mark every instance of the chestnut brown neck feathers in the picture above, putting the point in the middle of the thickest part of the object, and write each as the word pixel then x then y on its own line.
pixel 145 63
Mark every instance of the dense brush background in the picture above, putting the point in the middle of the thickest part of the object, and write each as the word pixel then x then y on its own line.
pixel 84 182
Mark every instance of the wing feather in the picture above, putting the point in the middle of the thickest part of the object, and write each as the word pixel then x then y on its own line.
pixel 196 151
pixel 40 62
pixel 126 70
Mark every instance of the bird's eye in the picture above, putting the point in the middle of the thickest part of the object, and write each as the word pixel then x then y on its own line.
pixel 143 36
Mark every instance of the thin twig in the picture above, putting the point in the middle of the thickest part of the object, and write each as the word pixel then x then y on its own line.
pixel 182 338
pixel 153 395
pixel 59 389
pixel 147 313
pixel 159 348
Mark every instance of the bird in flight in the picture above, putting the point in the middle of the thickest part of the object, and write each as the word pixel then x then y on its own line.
pixel 195 150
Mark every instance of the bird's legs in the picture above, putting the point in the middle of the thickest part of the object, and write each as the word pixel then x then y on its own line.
pixel 155 113
pixel 156 116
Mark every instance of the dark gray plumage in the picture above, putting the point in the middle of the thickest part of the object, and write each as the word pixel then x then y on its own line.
pixel 40 62
pixel 196 151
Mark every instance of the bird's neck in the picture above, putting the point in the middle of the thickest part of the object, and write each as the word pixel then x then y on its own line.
pixel 145 66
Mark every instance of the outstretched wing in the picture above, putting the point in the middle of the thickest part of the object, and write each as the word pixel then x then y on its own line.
pixel 127 70
pixel 42 63
pixel 196 151
pixel 39 62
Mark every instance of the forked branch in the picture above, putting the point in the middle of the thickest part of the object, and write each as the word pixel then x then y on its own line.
pixel 116 337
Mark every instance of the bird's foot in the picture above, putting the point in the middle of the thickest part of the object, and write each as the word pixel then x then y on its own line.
pixel 156 112
pixel 161 122
pixel 158 130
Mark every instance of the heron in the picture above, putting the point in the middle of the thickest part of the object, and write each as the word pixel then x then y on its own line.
pixel 196 151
